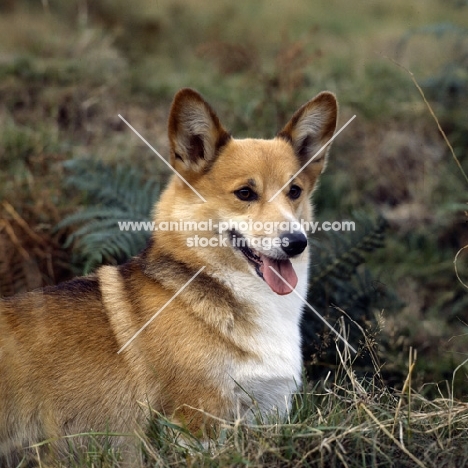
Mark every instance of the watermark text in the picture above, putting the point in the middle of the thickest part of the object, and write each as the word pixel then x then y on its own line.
pixel 267 228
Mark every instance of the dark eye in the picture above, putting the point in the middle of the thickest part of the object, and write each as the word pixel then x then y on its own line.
pixel 246 194
pixel 294 192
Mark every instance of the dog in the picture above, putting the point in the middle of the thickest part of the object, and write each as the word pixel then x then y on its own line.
pixel 197 331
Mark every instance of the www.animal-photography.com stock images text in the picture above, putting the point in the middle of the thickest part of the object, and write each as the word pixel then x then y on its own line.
pixel 233 233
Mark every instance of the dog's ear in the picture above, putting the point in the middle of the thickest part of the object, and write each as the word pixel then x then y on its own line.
pixel 195 133
pixel 311 126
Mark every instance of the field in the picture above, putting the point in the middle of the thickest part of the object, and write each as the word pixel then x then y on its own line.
pixel 67 69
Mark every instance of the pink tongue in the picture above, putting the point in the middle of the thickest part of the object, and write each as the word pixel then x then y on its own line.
pixel 284 268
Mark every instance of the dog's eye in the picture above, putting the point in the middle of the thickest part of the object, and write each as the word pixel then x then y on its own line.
pixel 294 192
pixel 246 194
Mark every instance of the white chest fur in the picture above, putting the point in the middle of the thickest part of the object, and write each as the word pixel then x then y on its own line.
pixel 274 372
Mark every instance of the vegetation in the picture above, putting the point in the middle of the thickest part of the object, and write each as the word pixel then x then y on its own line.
pixel 343 421
pixel 67 69
pixel 116 194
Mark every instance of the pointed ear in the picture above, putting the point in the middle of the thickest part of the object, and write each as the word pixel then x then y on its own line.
pixel 195 133
pixel 310 128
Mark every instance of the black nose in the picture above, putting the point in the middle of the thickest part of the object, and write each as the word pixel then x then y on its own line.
pixel 293 243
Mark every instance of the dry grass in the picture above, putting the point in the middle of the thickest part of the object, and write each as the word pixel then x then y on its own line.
pixel 348 421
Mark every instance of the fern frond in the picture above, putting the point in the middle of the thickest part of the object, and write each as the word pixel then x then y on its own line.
pixel 341 254
pixel 116 194
pixel 339 278
pixel 97 212
pixel 119 187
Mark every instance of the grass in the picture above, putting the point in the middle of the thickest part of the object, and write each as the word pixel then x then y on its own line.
pixel 341 421
pixel 67 69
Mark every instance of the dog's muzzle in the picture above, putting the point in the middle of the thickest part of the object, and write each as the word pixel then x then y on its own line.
pixel 293 243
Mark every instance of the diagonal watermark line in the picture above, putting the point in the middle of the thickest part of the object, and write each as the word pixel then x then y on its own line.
pixel 162 159
pixel 312 158
pixel 161 309
pixel 314 311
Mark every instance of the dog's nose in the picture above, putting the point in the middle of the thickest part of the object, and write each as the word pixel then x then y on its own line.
pixel 293 243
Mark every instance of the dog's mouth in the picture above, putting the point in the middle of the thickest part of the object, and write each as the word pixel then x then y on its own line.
pixel 279 274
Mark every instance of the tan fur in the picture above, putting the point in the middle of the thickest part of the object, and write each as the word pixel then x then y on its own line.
pixel 60 371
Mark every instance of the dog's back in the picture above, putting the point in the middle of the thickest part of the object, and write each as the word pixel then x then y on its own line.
pixel 60 372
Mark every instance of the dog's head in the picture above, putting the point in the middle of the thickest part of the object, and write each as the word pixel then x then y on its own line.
pixel 257 192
